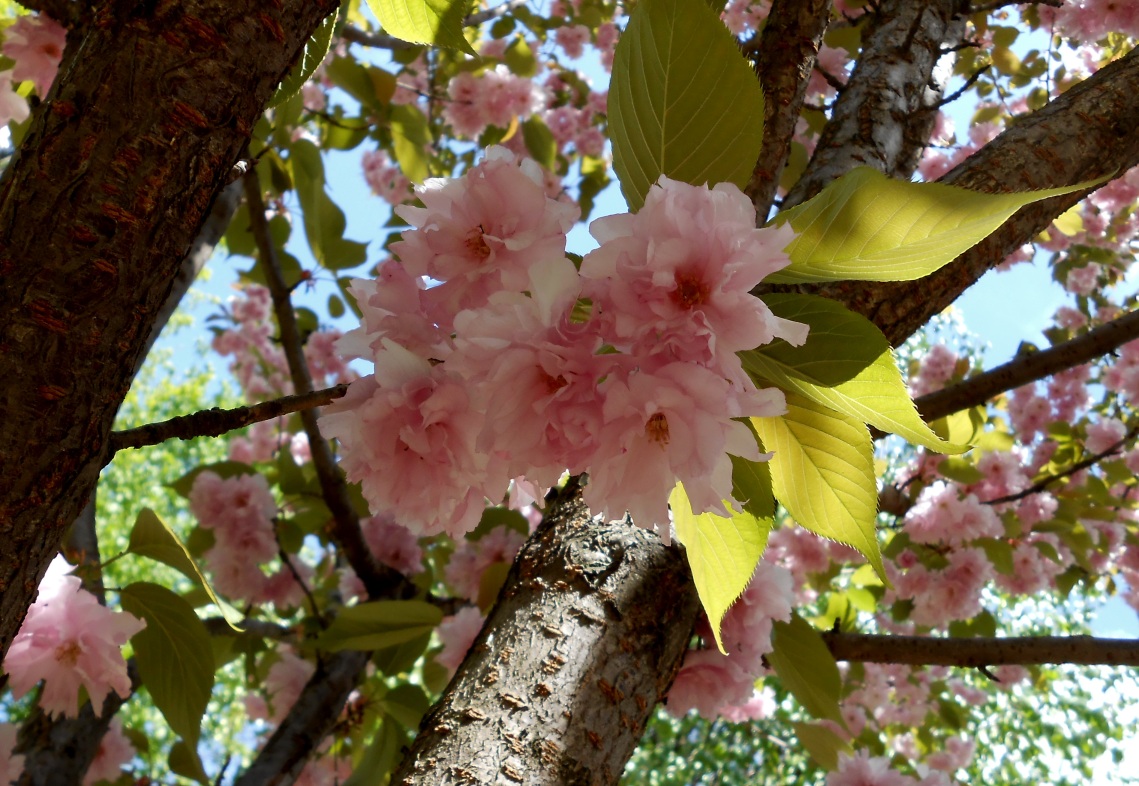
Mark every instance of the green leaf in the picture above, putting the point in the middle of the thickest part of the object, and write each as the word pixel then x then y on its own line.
pixel 151 537
pixel 823 473
pixel 435 22
pixel 821 743
pixel 410 138
pixel 806 667
pixel 682 100
pixel 312 56
pixel 877 395
pixel 174 656
pixel 406 703
pixel 184 761
pixel 379 758
pixel 722 553
pixel 540 143
pixel 869 227
pixel 379 624
pixel 324 222
pixel 839 345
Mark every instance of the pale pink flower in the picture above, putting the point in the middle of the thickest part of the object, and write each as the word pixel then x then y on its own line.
pixel 956 754
pixel 284 682
pixel 409 432
pixel 572 38
pixel 11 764
pixel 606 43
pixel 761 705
pixel 1083 280
pixel 494 228
pixel 394 306
pixel 69 641
pixel 393 544
pixel 706 682
pixel 313 97
pixel 472 557
pixel 1070 318
pixel 937 368
pixel 36 44
pixel 673 423
pixel 941 515
pixel 953 593
pixel 385 178
pixel 12 105
pixel 674 279
pixel 862 769
pixel 1105 434
pixel 458 632
pixel 115 750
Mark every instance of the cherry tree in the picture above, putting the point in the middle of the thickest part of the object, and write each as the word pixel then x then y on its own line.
pixel 552 497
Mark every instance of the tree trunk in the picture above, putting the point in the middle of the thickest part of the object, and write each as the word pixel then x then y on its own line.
pixel 151 107
pixel 585 639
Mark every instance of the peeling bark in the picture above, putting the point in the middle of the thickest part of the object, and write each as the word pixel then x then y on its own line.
pixel 584 640
pixel 120 166
pixel 885 114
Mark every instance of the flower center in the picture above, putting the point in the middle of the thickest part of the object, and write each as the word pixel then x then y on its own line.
pixel 68 653
pixel 553 384
pixel 690 291
pixel 656 428
pixel 476 243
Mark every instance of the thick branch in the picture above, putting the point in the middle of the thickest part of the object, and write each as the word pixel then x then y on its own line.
pixel 788 50
pixel 308 722
pixel 1089 132
pixel 585 639
pixel 67 12
pixel 884 115
pixel 116 174
pixel 979 652
pixel 216 421
pixel 1030 367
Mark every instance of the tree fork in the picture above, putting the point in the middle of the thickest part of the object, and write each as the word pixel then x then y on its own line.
pixel 584 640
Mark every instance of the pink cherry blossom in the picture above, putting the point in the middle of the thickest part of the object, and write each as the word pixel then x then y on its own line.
pixel 1105 434
pixel 12 105
pixel 386 180
pixel 706 682
pixel 393 544
pixel 284 682
pixel 36 44
pixel 115 750
pixel 458 632
pixel 862 769
pixel 1083 280
pixel 942 515
pixel 572 38
pixel 408 432
pixel 472 557
pixel 69 640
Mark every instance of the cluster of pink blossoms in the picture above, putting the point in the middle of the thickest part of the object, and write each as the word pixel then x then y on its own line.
pixel 490 99
pixel 239 511
pixel 69 640
pixel 497 373
pixel 35 44
pixel 716 684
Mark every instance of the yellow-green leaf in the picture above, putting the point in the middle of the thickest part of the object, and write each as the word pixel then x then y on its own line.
pixel 823 473
pixel 313 55
pixel 876 395
pixel 683 102
pixel 869 227
pixel 174 656
pixel 806 667
pixel 722 553
pixel 150 537
pixel 435 22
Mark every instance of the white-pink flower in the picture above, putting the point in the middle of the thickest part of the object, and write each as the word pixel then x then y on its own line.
pixel 69 641
pixel 458 632
pixel 115 750
pixel 36 44
pixel 11 763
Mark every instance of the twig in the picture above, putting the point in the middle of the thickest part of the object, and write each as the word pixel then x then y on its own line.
pixel 380 580
pixel 949 99
pixel 982 652
pixel 984 8
pixel 1045 482
pixel 215 422
pixel 1030 368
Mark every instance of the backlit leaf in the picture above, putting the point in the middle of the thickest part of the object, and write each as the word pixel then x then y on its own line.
pixel 683 102
pixel 806 668
pixel 379 624
pixel 435 22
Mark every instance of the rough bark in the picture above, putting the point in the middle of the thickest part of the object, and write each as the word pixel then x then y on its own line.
pixel 1089 132
pixel 787 52
pixel 584 640
pixel 152 105
pixel 885 113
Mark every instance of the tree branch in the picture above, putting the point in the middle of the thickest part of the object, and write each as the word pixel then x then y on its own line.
pixel 216 421
pixel 884 114
pixel 980 652
pixel 1030 367
pixel 788 50
pixel 308 722
pixel 380 580
pixel 68 13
